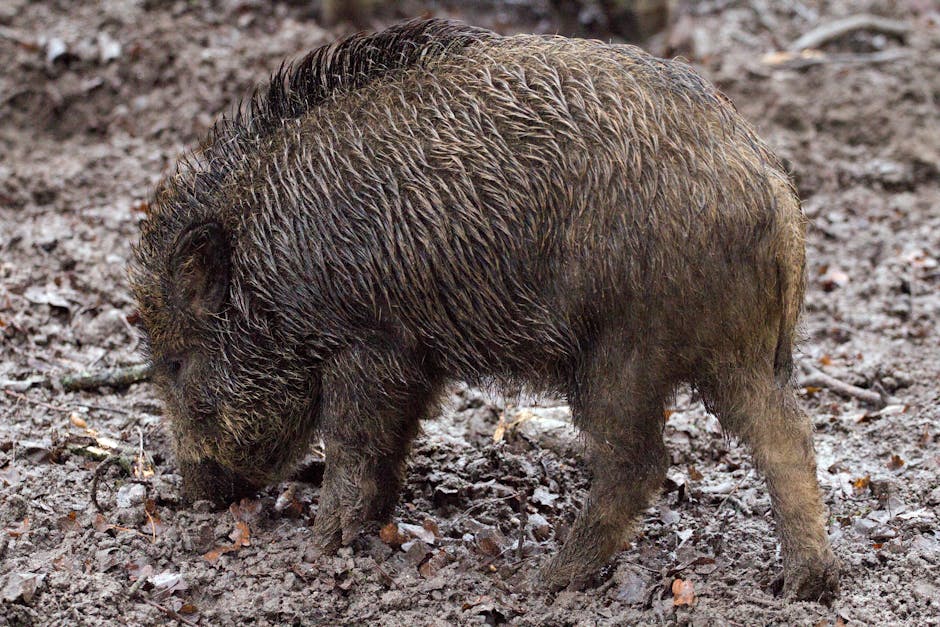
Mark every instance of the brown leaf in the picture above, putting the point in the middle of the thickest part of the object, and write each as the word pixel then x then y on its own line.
pixel 390 535
pixel 240 536
pixel 683 592
pixel 825 360
pixel 489 543
pixel 246 509
pixel 69 522
pixel 431 526
pixel 77 420
pixel 895 462
pixel 694 474
pixel 862 482
pixel 213 556
pixel 100 523
pixel 19 529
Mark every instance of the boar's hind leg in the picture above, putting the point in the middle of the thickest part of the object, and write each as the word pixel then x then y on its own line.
pixel 372 406
pixel 767 416
pixel 617 403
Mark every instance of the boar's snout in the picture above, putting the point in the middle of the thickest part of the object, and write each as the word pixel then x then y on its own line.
pixel 208 480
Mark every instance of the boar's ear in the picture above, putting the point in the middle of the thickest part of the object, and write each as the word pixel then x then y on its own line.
pixel 199 269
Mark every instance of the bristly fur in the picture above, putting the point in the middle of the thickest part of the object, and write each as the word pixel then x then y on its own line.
pixel 328 71
pixel 436 202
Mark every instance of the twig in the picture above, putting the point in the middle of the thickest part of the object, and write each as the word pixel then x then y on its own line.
pixel 833 30
pixel 170 613
pixel 523 521
pixel 99 472
pixel 136 586
pixel 31 401
pixel 808 58
pixel 111 377
pixel 84 380
pixel 23 397
pixel 490 501
pixel 817 378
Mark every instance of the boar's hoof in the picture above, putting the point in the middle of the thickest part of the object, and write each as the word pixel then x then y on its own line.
pixel 333 529
pixel 816 580
pixel 556 575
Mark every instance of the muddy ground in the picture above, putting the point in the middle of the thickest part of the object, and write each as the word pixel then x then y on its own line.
pixel 96 102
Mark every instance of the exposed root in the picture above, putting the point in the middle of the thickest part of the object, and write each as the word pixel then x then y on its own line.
pixel 817 378
pixel 833 30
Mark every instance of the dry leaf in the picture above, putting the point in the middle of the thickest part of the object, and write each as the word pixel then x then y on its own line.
pixel 77 420
pixel 20 529
pixel 488 543
pixel 862 482
pixel 694 474
pixel 431 526
pixel 390 535
pixel 69 522
pixel 241 536
pixel 246 509
pixel 895 462
pixel 683 592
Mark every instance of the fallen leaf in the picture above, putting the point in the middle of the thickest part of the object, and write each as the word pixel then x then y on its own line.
pixel 77 420
pixel 101 524
pixel 694 474
pixel 240 536
pixel 417 531
pixel 683 592
pixel 20 529
pixel 895 462
pixel 390 535
pixel 431 526
pixel 825 360
pixel 69 522
pixel 489 543
pixel 543 497
pixel 246 509
pixel 862 482
pixel 166 583
pixel 11 476
pixel 20 586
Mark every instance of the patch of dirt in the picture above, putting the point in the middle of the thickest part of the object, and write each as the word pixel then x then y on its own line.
pixel 97 101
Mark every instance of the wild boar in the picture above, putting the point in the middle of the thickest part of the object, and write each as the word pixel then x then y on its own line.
pixel 437 202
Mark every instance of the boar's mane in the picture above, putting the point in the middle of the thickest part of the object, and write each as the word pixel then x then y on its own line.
pixel 331 70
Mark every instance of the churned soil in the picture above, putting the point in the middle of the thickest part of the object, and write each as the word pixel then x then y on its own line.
pixel 97 100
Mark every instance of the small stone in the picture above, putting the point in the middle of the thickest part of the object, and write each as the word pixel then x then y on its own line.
pixel 21 587
pixel 882 533
pixel 131 494
pixel 540 527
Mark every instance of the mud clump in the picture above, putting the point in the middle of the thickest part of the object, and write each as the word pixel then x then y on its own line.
pixel 437 202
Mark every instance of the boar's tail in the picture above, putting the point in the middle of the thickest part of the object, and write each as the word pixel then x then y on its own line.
pixel 791 282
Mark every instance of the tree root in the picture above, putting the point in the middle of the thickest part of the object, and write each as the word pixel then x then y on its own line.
pixel 817 378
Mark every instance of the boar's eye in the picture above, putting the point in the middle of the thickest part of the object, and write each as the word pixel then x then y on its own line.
pixel 173 367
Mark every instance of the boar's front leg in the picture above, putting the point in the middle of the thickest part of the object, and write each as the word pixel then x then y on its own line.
pixel 617 401
pixel 372 404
